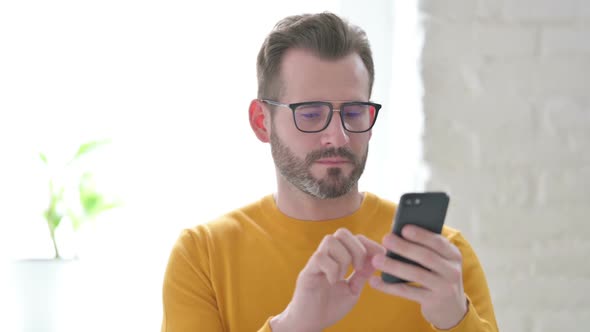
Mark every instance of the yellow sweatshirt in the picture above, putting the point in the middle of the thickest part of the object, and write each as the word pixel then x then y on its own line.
pixel 235 273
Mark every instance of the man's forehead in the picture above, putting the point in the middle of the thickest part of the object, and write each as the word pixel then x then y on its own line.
pixel 301 66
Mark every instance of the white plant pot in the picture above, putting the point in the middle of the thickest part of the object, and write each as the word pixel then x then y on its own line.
pixel 48 295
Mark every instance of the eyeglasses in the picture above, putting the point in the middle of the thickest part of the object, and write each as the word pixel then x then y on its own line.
pixel 315 116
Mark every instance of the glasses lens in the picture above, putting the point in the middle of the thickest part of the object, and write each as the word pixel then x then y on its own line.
pixel 312 117
pixel 358 117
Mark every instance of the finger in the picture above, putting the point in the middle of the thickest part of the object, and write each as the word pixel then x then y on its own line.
pixel 413 293
pixel 436 242
pixel 325 264
pixel 373 248
pixel 331 246
pixel 360 276
pixel 357 279
pixel 353 245
pixel 408 272
pixel 425 256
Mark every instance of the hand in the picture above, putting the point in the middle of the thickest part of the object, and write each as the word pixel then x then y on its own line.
pixel 440 293
pixel 322 294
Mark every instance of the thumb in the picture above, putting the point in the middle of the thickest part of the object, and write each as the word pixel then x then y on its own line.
pixel 373 248
pixel 358 278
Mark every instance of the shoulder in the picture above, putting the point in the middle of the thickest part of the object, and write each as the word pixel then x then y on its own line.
pixel 456 238
pixel 454 235
pixel 224 226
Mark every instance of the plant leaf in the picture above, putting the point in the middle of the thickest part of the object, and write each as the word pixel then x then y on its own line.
pixel 87 147
pixel 53 218
pixel 76 220
pixel 93 203
pixel 43 158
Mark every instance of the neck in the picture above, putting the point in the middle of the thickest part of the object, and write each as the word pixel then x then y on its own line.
pixel 299 205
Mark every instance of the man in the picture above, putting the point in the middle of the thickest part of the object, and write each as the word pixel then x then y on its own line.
pixel 308 257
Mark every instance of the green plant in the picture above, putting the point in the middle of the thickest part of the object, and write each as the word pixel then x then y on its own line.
pixel 80 206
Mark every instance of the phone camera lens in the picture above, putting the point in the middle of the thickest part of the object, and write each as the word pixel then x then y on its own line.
pixel 408 202
pixel 417 201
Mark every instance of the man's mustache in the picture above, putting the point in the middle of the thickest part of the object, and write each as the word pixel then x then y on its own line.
pixel 331 153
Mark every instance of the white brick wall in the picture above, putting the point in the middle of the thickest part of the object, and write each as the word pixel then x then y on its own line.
pixel 507 133
pixel 543 11
pixel 565 40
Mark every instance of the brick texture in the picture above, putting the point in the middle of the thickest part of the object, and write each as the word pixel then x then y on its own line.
pixel 539 10
pixel 565 41
pixel 507 134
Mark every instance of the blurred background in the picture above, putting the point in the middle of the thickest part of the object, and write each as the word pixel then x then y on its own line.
pixel 138 111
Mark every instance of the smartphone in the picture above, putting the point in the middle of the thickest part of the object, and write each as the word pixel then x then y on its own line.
pixel 426 210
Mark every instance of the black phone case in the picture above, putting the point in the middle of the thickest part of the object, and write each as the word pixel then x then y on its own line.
pixel 427 210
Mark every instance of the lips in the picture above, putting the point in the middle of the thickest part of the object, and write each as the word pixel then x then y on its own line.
pixel 332 161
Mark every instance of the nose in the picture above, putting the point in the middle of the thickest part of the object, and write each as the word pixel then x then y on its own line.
pixel 335 134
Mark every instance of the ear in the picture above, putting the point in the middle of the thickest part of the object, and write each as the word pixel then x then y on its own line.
pixel 258 121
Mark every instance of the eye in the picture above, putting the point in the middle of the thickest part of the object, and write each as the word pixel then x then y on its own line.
pixel 355 111
pixel 353 114
pixel 312 111
pixel 309 115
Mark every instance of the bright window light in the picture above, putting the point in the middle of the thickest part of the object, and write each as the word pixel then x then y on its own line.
pixel 168 83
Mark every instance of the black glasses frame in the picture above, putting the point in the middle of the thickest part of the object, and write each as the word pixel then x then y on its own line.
pixel 294 106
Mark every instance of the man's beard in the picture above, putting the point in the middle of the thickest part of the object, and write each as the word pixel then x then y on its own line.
pixel 298 171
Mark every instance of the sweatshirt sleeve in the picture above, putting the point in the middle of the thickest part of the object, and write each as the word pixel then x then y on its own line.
pixel 480 315
pixel 188 296
pixel 266 326
pixel 189 301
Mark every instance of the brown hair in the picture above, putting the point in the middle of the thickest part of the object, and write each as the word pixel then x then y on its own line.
pixel 325 34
